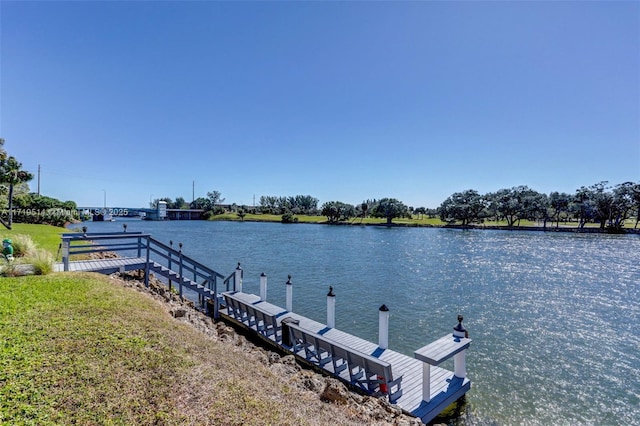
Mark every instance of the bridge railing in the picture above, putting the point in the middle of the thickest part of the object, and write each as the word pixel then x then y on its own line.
pixel 154 251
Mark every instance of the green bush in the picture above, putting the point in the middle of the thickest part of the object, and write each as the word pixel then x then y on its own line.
pixel 289 218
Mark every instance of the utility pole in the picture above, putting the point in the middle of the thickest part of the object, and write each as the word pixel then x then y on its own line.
pixel 38 180
pixel 193 191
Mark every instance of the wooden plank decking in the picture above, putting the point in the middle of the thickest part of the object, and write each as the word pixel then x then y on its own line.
pixel 104 266
pixel 444 386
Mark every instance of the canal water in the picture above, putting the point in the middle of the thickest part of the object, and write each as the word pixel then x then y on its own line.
pixel 554 317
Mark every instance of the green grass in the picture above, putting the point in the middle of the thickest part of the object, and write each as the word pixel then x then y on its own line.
pixel 414 221
pixel 46 237
pixel 78 349
pixel 59 334
pixel 322 219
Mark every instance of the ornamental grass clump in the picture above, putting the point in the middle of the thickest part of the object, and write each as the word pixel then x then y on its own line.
pixel 42 262
pixel 23 246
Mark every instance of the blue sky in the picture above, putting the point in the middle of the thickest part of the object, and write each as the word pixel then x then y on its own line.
pixel 343 101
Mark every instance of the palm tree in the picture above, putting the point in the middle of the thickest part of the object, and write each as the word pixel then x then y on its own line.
pixel 11 173
pixel 364 207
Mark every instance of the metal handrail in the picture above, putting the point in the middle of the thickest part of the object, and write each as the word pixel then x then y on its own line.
pixel 150 245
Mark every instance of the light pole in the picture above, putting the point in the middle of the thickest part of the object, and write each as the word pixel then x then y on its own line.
pixel 105 199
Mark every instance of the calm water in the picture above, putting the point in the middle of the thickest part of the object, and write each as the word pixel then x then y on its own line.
pixel 554 317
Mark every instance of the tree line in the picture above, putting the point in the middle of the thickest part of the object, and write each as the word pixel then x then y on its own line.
pixel 18 204
pixel 609 206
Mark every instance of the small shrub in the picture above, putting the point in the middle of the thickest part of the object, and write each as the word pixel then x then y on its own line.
pixel 42 262
pixel 289 218
pixel 23 246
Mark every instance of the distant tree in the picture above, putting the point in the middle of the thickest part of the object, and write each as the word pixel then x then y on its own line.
pixel 298 204
pixel 362 210
pixel 624 203
pixel 337 211
pixel 467 207
pixel 306 204
pixel 201 203
pixel 559 205
pixel 389 208
pixel 179 203
pixel 268 204
pixel 582 206
pixel 420 211
pixel 635 194
pixel 603 202
pixel 241 214
pixel 519 202
pixel 11 174
pixel 215 197
pixel 535 206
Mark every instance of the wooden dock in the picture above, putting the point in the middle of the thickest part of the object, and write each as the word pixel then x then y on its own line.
pixel 444 387
pixel 104 266
pixel 415 384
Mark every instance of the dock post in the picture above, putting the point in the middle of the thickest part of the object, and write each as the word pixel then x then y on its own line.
pixel 289 304
pixel 170 246
pixel 180 269
pixel 263 286
pixel 146 267
pixel 238 279
pixel 426 381
pixel 383 327
pixel 459 359
pixel 216 301
pixel 65 253
pixel 331 308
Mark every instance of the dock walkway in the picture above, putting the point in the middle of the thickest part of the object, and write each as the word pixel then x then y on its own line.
pixel 444 386
pixel 105 266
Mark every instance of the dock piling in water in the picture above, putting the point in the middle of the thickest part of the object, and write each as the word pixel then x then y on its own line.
pixel 459 359
pixel 263 287
pixel 383 327
pixel 331 308
pixel 238 278
pixel 289 301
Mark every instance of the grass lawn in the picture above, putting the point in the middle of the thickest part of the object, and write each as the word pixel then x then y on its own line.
pixel 46 237
pixel 80 349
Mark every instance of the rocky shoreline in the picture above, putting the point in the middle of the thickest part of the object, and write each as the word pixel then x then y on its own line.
pixel 371 410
